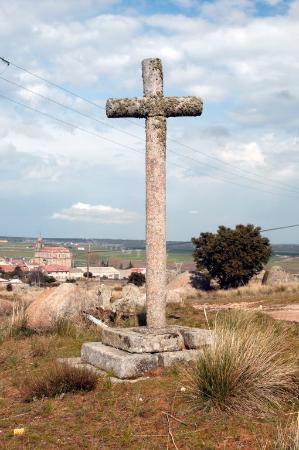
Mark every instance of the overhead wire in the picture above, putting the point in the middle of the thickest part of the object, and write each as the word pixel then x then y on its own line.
pixel 139 138
pixel 69 108
pixel 219 161
pixel 280 228
pixel 71 125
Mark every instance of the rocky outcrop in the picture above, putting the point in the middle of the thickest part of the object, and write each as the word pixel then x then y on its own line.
pixel 133 298
pixel 67 301
pixel 276 275
pixel 105 294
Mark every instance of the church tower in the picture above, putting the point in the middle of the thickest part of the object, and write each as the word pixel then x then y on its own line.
pixel 39 243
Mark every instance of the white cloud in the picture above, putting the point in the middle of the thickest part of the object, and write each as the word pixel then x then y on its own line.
pixel 244 66
pixel 249 153
pixel 84 212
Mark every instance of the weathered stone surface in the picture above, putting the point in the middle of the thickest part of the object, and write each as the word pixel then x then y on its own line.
pixel 77 362
pixel 155 108
pixel 195 338
pixel 276 275
pixel 132 299
pixel 105 294
pixel 167 359
pixel 143 340
pixel 174 296
pixel 67 301
pixel 121 364
pixel 131 365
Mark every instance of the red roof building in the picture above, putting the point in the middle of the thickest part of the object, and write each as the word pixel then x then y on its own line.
pixel 46 255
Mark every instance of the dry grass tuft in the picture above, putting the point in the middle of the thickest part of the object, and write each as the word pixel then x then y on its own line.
pixel 64 327
pixel 40 346
pixel 57 380
pixel 288 438
pixel 248 368
pixel 256 289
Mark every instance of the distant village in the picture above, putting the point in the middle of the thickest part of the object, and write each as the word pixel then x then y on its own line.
pixel 57 262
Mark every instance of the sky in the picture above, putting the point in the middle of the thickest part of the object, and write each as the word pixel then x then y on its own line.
pixel 72 172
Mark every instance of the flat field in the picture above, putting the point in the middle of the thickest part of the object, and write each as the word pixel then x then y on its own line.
pixel 147 415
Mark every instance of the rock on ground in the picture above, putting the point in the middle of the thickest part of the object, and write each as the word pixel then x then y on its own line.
pixel 181 280
pixel 67 301
pixel 132 298
pixel 276 275
pixel 105 294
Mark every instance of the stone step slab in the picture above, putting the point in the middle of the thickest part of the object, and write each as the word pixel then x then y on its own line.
pixel 147 340
pixel 143 339
pixel 119 363
pixel 126 365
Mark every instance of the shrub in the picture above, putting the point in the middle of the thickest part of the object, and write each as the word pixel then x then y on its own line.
pixel 9 287
pixel 18 326
pixel 87 275
pixel 40 346
pixel 230 256
pixel 58 379
pixel 248 368
pixel 64 327
pixel 137 278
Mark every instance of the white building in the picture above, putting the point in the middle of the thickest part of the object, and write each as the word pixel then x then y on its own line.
pixel 109 273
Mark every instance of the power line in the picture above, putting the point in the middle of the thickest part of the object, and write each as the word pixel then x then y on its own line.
pixel 137 137
pixel 285 185
pixel 71 125
pixel 102 122
pixel 280 228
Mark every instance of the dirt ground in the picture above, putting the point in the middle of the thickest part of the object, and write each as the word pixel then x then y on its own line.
pixel 148 415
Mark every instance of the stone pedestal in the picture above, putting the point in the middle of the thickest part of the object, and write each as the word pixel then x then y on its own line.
pixel 132 352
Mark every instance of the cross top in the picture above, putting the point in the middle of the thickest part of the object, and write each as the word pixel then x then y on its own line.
pixel 155 108
pixel 153 103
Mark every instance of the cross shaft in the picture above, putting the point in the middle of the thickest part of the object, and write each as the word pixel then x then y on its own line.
pixel 155 108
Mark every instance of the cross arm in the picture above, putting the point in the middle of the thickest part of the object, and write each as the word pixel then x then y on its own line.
pixel 126 107
pixel 182 106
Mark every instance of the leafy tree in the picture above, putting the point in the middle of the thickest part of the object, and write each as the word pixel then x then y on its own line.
pixel 36 277
pixel 39 278
pixel 18 273
pixel 232 256
pixel 87 274
pixel 136 278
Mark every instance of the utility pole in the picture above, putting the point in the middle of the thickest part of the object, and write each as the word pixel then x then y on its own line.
pixel 87 261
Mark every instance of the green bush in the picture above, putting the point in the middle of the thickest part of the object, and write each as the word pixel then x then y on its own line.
pixel 232 256
pixel 137 278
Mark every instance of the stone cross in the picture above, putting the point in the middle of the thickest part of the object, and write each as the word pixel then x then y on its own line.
pixel 155 108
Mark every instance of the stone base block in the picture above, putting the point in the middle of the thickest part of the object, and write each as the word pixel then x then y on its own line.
pixel 119 363
pixel 131 365
pixel 77 362
pixel 143 339
pixel 147 340
pixel 168 359
pixel 195 338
